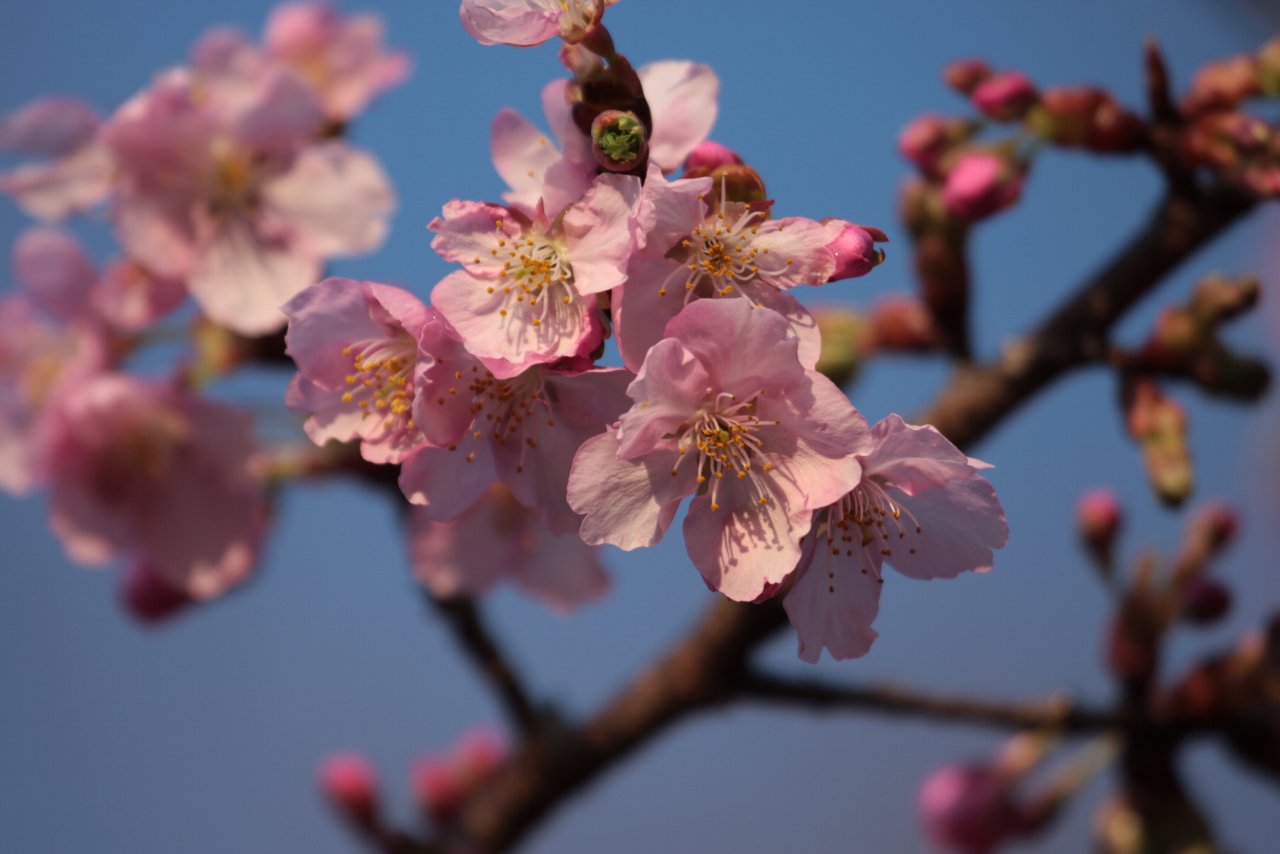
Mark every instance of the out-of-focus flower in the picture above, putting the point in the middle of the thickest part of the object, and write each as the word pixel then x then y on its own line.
pixel 498 539
pixel 1005 96
pixel 1099 517
pixel 968 808
pixel 148 598
pixel 221 184
pixel 981 184
pixel 76 171
pixel 725 411
pixel 443 782
pixel 929 138
pixel 921 506
pixel 350 784
pixel 356 347
pixel 150 471
pixel 343 58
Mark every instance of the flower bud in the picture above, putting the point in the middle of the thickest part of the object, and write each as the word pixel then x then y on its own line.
pixel 348 780
pixel 854 248
pixel 1005 97
pixel 148 598
pixel 1205 602
pixel 436 788
pixel 707 157
pixel 844 343
pixel 738 183
pixel 929 137
pixel 1217 523
pixel 1223 85
pixel 1099 518
pixel 902 323
pixel 479 752
pixel 1160 426
pixel 618 140
pixel 968 808
pixel 1086 117
pixel 965 75
pixel 1269 68
pixel 980 185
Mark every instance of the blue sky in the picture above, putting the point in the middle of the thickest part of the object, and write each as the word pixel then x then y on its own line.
pixel 202 737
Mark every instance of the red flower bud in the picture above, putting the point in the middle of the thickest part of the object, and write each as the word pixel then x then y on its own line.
pixel 965 75
pixel 348 780
pixel 1006 96
pixel 980 185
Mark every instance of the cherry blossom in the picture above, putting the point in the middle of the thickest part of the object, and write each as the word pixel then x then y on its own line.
pixel 526 294
pixel 75 173
pixel 523 23
pixel 521 431
pixel 147 470
pixel 724 410
pixel 497 539
pixel 221 184
pixel 921 507
pixel 356 347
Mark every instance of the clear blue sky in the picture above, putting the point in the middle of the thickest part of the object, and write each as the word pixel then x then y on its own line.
pixel 202 737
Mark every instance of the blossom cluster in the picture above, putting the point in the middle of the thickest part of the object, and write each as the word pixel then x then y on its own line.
pixel 226 179
pixel 496 402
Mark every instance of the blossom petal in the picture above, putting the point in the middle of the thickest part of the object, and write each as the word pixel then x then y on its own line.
pixel 627 503
pixel 744 546
pixel 447 482
pixel 54 271
pixel 521 23
pixel 682 98
pixel 48 127
pixel 834 601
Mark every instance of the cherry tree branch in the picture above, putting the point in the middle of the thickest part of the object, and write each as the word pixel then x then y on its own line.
pixel 708 667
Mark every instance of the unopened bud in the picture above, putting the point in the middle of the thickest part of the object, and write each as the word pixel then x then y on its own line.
pixel 854 248
pixel 436 788
pixel 981 184
pixel 618 140
pixel 148 598
pixel 707 157
pixel 1117 828
pixel 1086 117
pixel 965 75
pixel 1269 68
pixel 1223 85
pixel 479 752
pixel 1160 427
pixel 844 343
pixel 903 323
pixel 1006 96
pixel 348 780
pixel 1205 602
pixel 968 808
pixel 1217 299
pixel 1099 517
pixel 928 138
pixel 1133 647
pixel 739 183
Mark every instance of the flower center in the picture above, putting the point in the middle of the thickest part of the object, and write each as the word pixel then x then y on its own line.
pixel 501 408
pixel 381 380
pixel 724 439
pixel 535 276
pixel 868 520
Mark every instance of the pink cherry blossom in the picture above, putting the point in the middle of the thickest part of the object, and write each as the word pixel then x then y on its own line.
pixel 521 431
pixel 221 184
pixel 150 471
pixel 682 99
pixel 40 363
pixel 497 539
pixel 980 185
pixel 58 276
pixel 527 292
pixel 969 808
pixel 725 411
pixel 921 507
pixel 343 58
pixel 76 174
pixel 523 23
pixel 854 248
pixel 729 250
pixel 356 347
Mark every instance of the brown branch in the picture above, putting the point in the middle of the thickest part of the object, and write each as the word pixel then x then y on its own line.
pixel 488 658
pixel 1060 715
pixel 708 667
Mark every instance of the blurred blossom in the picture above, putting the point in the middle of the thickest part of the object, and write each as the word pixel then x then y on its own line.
pixel 77 170
pixel 351 785
pixel 968 808
pixel 443 782
pixel 981 184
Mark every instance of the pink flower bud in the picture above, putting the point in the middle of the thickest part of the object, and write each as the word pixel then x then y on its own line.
pixel 436 788
pixel 479 752
pixel 1223 85
pixel 980 185
pixel 708 156
pixel 1005 97
pixel 349 781
pixel 903 323
pixel 854 249
pixel 929 137
pixel 1099 517
pixel 965 75
pixel 1205 602
pixel 147 598
pixel 967 808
